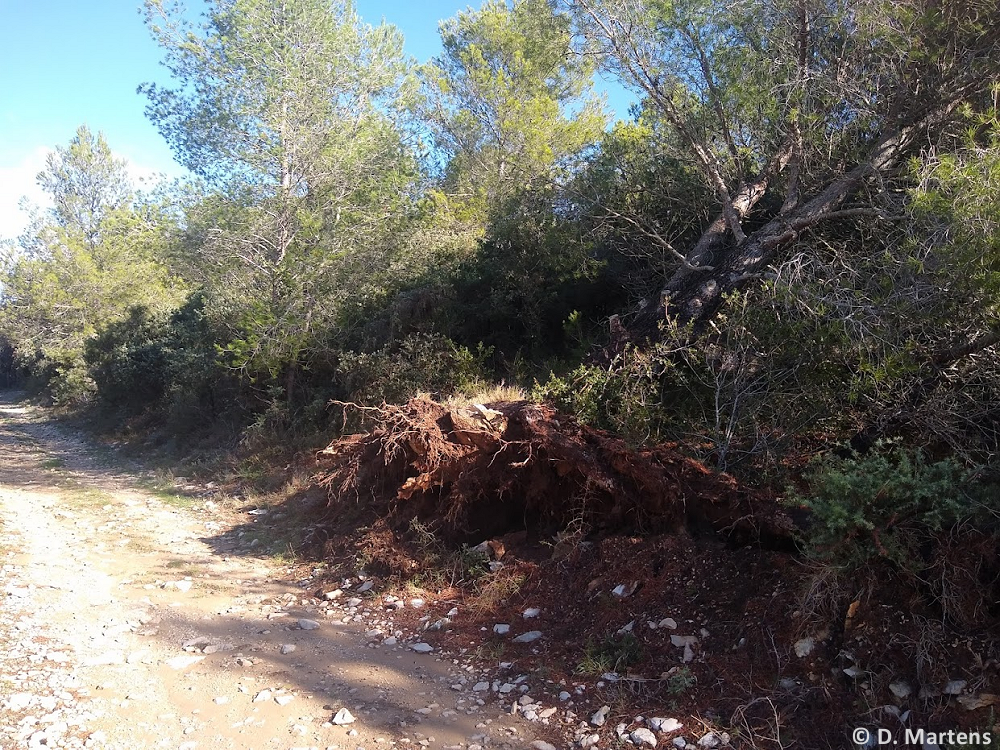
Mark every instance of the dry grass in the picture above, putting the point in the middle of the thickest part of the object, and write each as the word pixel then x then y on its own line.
pixel 493 590
pixel 486 394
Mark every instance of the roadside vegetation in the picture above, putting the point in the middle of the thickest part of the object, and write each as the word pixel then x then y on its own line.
pixel 785 267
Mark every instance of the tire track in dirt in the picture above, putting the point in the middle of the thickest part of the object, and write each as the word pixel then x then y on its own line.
pixel 122 627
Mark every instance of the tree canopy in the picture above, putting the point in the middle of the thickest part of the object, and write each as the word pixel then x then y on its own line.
pixel 797 212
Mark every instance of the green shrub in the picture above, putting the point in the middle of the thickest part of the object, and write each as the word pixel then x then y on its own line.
pixel 160 363
pixel 613 654
pixel 418 363
pixel 880 505
pixel 622 397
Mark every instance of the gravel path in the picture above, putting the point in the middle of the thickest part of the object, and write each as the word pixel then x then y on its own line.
pixel 125 624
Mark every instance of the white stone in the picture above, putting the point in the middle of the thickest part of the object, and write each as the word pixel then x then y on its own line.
pixel 416 603
pixel 262 697
pixel 501 628
pixel 284 699
pixel 643 736
pixel 564 696
pixel 480 687
pixel 183 662
pixel 541 745
pixel 343 716
pixel 19 701
pixel 668 622
pixel 804 647
pixel 955 687
pixel 183 586
pixel 308 624
pixel 531 635
pixel 600 716
pixel 390 641
pixel 531 612
pixel 287 648
pixel 900 689
pixel 331 595
pixel 712 739
pixel 366 586
pixel 422 648
pixel 664 725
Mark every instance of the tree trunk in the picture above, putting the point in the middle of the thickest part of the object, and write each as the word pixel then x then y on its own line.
pixel 722 262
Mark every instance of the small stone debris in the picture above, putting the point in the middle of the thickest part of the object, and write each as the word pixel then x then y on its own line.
pixel 416 603
pixel 422 648
pixel 331 595
pixel 600 716
pixel 342 717
pixel 183 662
pixel 287 648
pixel 687 642
pixel 667 622
pixel 901 689
pixel 955 687
pixel 284 699
pixel 622 590
pixel 366 586
pixel 804 647
pixel 643 736
pixel 262 697
pixel 658 724
pixel 531 612
pixel 354 601
pixel 541 745
pixel 308 624
pixel 182 586
pixel 501 628
pixel 564 696
pixel 220 700
pixel 480 687
pixel 529 637
pixel 713 739
pixel 18 701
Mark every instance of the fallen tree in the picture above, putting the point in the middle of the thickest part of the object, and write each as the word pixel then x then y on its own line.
pixel 789 111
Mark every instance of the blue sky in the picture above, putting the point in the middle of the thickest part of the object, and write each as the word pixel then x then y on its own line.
pixel 64 63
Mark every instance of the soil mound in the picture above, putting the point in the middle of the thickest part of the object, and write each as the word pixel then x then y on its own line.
pixel 482 471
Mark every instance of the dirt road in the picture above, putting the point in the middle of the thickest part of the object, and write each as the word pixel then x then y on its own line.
pixel 129 621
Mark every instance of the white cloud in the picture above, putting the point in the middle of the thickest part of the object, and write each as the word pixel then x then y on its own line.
pixel 18 181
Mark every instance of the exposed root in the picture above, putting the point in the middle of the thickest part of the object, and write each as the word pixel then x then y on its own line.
pixel 483 471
